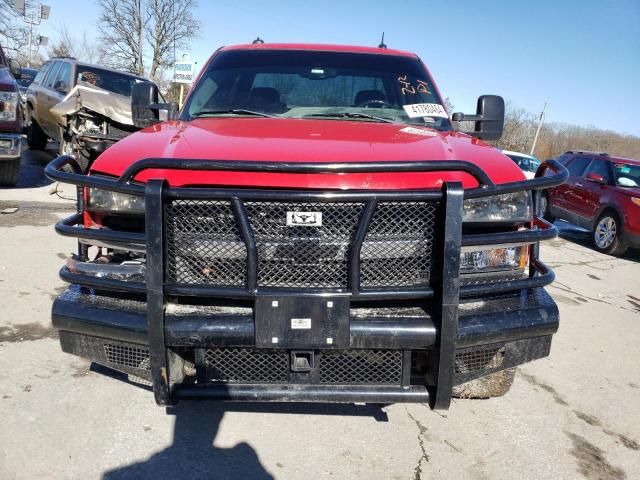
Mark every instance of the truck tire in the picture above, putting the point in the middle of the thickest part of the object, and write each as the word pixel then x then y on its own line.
pixel 9 172
pixel 493 385
pixel 36 138
pixel 606 234
pixel 66 148
pixel 544 208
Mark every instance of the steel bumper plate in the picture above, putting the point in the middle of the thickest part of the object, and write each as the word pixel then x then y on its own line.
pixel 302 322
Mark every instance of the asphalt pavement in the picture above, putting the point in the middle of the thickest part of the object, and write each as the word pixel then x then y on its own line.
pixel 571 415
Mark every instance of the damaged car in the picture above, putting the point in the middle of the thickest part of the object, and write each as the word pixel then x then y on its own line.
pixel 83 107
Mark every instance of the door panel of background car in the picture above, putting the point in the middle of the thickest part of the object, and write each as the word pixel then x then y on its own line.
pixel 44 101
pixel 592 192
pixel 41 95
pixel 570 197
pixel 54 97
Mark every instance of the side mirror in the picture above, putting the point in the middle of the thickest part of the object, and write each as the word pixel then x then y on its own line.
pixel 60 86
pixel 16 68
pixel 489 118
pixel 595 178
pixel 145 109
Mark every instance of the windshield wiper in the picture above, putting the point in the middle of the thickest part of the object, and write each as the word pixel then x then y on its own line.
pixel 232 111
pixel 365 116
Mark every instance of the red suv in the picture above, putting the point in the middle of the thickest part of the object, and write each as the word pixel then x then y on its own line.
pixel 602 194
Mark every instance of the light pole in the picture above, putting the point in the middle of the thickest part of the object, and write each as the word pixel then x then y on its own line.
pixel 535 139
pixel 33 14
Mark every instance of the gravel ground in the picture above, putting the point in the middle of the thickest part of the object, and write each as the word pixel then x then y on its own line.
pixel 571 415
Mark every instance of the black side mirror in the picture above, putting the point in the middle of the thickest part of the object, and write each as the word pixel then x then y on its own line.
pixel 145 109
pixel 16 68
pixel 489 118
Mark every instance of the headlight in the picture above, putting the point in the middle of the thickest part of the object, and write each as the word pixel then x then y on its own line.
pixel 8 106
pixel 493 258
pixel 99 200
pixel 508 207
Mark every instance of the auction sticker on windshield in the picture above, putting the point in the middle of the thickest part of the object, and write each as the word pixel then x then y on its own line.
pixel 416 110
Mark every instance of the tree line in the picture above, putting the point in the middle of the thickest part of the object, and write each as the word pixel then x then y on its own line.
pixel 556 138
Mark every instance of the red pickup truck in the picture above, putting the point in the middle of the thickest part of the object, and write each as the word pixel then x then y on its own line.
pixel 309 227
pixel 10 121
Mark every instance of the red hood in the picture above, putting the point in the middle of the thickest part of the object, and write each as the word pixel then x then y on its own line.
pixel 296 140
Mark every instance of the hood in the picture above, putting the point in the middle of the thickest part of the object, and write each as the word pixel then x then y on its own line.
pixel 303 140
pixel 84 95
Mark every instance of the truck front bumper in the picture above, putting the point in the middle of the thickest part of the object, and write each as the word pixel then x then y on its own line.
pixel 494 333
pixel 10 146
pixel 297 336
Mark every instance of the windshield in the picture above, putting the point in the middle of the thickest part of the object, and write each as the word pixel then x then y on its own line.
pixel 626 175
pixel 114 82
pixel 320 85
pixel 525 163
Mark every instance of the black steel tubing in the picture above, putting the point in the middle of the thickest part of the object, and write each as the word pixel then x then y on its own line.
pixel 304 167
pixel 544 231
pixel 303 393
pixel 69 227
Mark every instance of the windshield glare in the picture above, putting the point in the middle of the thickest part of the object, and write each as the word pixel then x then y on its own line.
pixel 626 175
pixel 321 85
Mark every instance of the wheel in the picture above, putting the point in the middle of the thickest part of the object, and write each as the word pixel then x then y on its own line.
pixel 606 235
pixel 9 171
pixel 67 148
pixel 36 138
pixel 543 208
pixel 493 385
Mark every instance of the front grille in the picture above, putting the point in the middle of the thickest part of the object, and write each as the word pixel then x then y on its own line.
pixel 397 249
pixel 241 365
pixel 204 245
pixel 354 367
pixel 124 355
pixel 339 367
pixel 485 358
pixel 303 256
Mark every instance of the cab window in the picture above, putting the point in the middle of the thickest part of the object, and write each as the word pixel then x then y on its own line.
pixel 577 166
pixel 63 78
pixel 601 168
pixel 41 73
pixel 51 75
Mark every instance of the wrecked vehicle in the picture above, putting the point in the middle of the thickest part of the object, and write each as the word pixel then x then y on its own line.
pixel 84 107
pixel 10 121
pixel 309 228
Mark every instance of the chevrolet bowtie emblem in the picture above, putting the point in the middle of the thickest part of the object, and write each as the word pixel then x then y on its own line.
pixel 304 219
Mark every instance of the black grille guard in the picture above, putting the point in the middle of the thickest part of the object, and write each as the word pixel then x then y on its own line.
pixel 540 274
pixel 445 289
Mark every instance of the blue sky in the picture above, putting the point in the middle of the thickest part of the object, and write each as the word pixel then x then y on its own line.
pixel 582 56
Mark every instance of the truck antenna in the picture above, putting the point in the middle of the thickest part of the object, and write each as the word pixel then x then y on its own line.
pixel 258 41
pixel 382 44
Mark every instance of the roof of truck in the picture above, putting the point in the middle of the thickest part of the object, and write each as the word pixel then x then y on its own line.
pixel 319 47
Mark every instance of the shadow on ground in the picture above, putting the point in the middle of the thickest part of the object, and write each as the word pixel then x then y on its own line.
pixel 582 237
pixel 32 167
pixel 192 453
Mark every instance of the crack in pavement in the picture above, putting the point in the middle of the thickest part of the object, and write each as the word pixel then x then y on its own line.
pixel 567 289
pixel 417 471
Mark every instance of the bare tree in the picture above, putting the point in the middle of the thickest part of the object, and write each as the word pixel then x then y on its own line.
pixel 13 33
pixel 122 25
pixel 171 25
pixel 68 44
pixel 135 30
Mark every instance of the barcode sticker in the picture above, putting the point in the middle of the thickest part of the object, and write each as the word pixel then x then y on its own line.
pixel 300 323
